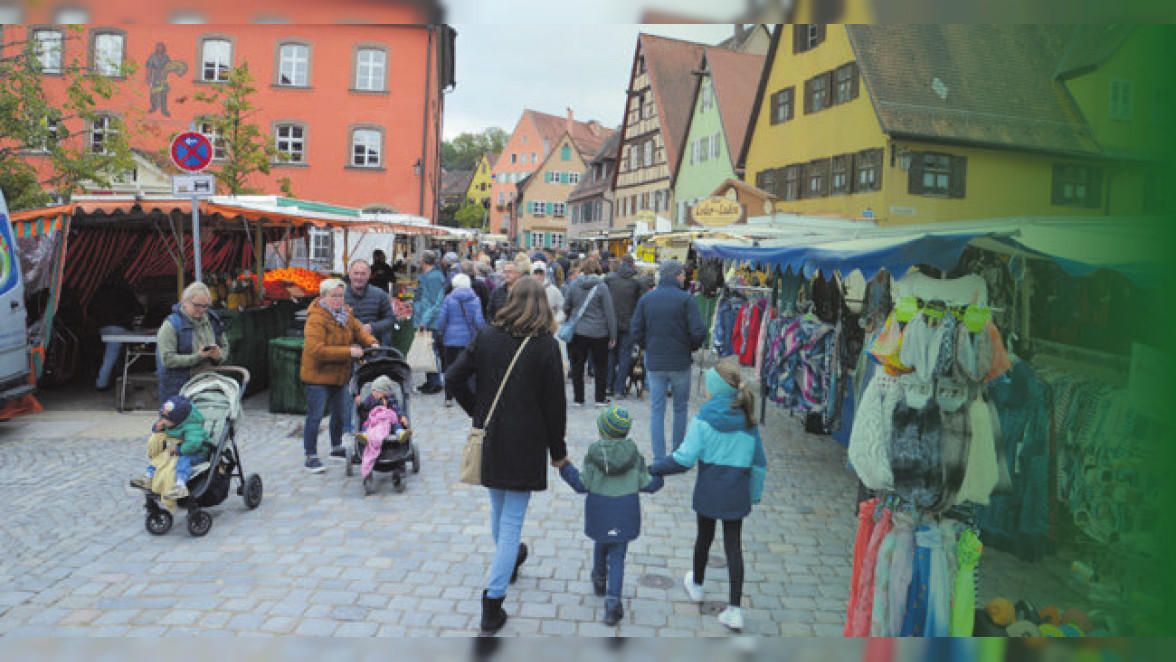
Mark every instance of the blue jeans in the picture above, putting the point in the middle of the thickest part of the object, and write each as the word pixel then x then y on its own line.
pixel 110 357
pixel 608 560
pixel 620 361
pixel 659 381
pixel 508 509
pixel 184 467
pixel 317 397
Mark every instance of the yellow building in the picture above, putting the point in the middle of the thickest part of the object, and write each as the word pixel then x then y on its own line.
pixel 479 190
pixel 923 123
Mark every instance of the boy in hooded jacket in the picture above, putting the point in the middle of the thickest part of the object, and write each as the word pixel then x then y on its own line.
pixel 183 426
pixel 614 472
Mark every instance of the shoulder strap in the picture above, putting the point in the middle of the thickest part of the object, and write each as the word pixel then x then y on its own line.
pixel 486 423
pixel 584 306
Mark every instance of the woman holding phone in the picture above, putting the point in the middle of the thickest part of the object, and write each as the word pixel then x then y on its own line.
pixel 189 339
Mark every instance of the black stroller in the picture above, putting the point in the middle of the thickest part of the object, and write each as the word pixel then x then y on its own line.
pixel 394 453
pixel 216 392
pixel 635 380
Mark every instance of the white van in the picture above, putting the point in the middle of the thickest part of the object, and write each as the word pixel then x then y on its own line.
pixel 14 344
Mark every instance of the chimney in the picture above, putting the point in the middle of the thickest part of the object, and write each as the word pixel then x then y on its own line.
pixel 570 118
pixel 739 33
pixel 594 127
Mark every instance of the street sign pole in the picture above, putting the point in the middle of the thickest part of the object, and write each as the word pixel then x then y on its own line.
pixel 196 238
pixel 192 152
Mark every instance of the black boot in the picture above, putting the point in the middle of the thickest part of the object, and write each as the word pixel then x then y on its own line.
pixel 493 615
pixel 519 560
pixel 613 613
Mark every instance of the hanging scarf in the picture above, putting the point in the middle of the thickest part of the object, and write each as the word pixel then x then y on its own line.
pixel 340 316
pixel 964 604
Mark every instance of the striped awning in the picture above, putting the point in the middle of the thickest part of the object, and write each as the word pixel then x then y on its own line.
pixel 37 226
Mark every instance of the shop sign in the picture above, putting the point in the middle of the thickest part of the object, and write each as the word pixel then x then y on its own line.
pixel 716 212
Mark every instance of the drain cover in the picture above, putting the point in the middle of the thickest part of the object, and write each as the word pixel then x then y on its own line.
pixel 712 607
pixel 656 581
pixel 713 561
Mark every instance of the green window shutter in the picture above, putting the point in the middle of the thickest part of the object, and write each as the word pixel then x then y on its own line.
pixel 563 178
pixel 565 154
pixel 547 176
pixel 548 207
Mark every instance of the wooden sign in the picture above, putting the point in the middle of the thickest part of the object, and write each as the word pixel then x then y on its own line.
pixel 717 212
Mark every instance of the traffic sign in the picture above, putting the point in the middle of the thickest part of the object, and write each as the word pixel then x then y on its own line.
pixel 201 186
pixel 191 151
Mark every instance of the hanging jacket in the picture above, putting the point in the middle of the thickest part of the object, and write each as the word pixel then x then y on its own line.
pixel 178 344
pixel 730 457
pixel 614 472
pixel 460 317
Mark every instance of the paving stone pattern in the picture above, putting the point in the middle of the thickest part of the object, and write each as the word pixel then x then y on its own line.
pixel 319 558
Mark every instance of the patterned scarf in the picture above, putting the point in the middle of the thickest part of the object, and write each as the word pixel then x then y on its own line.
pixel 340 316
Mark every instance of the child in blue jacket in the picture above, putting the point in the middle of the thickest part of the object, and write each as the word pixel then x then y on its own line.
pixel 725 442
pixel 614 471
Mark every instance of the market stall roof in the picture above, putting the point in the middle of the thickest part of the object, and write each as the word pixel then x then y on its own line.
pixel 1080 245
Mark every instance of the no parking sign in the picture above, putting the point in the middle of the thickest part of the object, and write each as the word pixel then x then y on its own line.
pixel 191 151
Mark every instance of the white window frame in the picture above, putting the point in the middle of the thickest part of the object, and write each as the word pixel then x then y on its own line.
pixel 648 150
pixel 50 137
pixel 291 141
pixel 538 208
pixel 100 131
pixel 369 134
pixel 1122 100
pixel 573 178
pixel 292 67
pixel 50 55
pixel 537 238
pixel 205 126
pixel 366 69
pixel 558 239
pixel 111 68
pixel 220 71
pixel 559 209
pixel 322 245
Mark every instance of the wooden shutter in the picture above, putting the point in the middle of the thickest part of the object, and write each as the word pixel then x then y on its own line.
pixel 826 165
pixel 877 155
pixel 1094 180
pixel 915 175
pixel 808 96
pixel 820 33
pixel 829 96
pixel 1057 196
pixel 958 185
pixel 798 33
pixel 854 76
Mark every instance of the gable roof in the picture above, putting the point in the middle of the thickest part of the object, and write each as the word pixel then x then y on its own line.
pixel 740 39
pixel 588 188
pixel 588 136
pixel 1090 47
pixel 670 63
pixel 735 77
pixel 995 86
pixel 456 182
pixel 491 158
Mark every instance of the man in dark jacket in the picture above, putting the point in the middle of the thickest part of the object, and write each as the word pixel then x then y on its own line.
pixel 382 275
pixel 510 275
pixel 668 325
pixel 625 290
pixel 370 305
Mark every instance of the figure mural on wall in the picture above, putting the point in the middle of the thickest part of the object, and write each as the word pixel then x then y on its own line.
pixel 159 66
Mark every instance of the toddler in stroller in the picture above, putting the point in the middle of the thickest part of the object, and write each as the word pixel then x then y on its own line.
pixel 381 387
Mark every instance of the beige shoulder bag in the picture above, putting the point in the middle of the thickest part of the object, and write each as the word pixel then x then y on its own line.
pixel 471 455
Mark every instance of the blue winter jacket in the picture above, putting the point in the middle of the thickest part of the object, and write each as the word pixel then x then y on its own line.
pixel 429 294
pixel 730 457
pixel 668 325
pixel 614 472
pixel 460 318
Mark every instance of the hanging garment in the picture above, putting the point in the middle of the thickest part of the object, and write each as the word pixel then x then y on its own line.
pixel 869 440
pixel 940 583
pixel 864 605
pixel 964 602
pixel 955 445
pixel 761 343
pixel 787 289
pixel 924 346
pixel 902 564
pixel 982 472
pixel 880 613
pixel 860 546
pixel 915 622
pixel 915 446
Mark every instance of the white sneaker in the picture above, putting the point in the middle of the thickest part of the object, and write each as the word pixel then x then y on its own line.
pixel 732 617
pixel 694 591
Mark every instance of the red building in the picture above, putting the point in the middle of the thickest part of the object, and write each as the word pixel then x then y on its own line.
pixel 355 109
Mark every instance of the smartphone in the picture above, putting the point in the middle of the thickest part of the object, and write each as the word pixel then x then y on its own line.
pixel 208 348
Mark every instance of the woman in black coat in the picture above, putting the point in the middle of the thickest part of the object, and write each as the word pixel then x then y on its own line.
pixel 527 426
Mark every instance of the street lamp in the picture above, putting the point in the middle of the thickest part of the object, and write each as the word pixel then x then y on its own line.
pixel 416 168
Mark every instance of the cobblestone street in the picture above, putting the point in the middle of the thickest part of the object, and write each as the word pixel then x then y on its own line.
pixel 319 558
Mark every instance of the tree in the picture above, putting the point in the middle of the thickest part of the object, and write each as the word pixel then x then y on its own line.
pixel 472 215
pixel 247 149
pixel 464 151
pixel 45 151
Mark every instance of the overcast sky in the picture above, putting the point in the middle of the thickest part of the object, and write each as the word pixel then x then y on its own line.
pixel 503 70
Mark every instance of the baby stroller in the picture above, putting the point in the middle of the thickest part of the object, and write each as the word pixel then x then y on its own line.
pixel 394 453
pixel 636 378
pixel 216 392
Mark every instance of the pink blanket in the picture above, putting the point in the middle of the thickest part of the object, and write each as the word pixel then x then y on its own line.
pixel 379 424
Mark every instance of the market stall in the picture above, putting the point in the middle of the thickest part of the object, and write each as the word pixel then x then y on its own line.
pixel 984 392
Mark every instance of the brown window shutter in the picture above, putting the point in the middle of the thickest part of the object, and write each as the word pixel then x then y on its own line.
pixel 820 32
pixel 808 96
pixel 1094 181
pixel 791 102
pixel 958 186
pixel 797 31
pixel 915 175
pixel 825 166
pixel 854 76
pixel 851 164
pixel 878 153
pixel 1056 196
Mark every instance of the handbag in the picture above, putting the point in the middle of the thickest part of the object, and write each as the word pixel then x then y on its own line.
pixel 471 456
pixel 420 355
pixel 568 328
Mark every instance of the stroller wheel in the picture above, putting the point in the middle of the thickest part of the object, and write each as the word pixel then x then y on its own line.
pixel 159 522
pixel 369 485
pixel 350 451
pixel 199 523
pixel 253 491
pixel 398 481
pixel 416 459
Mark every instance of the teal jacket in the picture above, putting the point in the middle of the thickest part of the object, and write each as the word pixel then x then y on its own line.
pixel 730 457
pixel 191 434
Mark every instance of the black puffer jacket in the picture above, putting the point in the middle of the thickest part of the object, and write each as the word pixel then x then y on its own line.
pixel 625 290
pixel 528 426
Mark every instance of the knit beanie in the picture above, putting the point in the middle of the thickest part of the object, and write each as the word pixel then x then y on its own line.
pixel 383 384
pixel 176 409
pixel 614 423
pixel 669 269
pixel 716 385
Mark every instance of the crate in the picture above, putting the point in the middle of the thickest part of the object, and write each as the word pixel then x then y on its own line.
pixel 141 392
